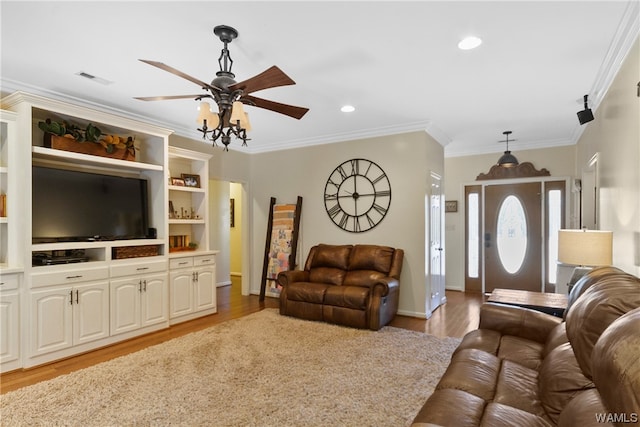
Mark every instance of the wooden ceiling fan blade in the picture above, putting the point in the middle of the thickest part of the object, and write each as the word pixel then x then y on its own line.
pixel 179 73
pixel 164 98
pixel 287 110
pixel 271 77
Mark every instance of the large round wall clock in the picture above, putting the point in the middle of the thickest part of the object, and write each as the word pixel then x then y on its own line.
pixel 357 195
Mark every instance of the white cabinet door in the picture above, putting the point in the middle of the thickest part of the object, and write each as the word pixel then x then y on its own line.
pixel 90 312
pixel 181 292
pixel 9 329
pixel 125 305
pixel 205 289
pixel 154 299
pixel 51 326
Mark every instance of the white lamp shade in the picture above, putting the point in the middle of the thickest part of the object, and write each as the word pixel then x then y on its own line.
pixel 585 247
pixel 206 114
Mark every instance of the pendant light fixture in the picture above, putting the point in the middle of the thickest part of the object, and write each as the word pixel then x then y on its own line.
pixel 507 160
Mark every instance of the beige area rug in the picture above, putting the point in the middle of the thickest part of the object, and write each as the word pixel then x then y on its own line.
pixel 260 370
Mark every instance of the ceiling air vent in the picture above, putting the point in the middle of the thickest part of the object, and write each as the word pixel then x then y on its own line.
pixel 93 78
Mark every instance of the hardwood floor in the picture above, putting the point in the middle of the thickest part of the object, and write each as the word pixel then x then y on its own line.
pixel 455 318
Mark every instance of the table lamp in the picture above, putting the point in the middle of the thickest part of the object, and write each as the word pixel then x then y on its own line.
pixel 584 249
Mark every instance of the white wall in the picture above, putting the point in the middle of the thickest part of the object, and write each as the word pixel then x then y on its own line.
pixel 615 135
pixel 407 159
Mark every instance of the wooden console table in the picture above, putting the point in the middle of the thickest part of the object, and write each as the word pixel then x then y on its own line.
pixel 550 303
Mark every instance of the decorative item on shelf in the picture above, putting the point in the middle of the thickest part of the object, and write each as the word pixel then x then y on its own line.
pixel 135 251
pixel 69 137
pixel 3 205
pixel 179 182
pixel 172 211
pixel 229 95
pixel 191 180
pixel 182 242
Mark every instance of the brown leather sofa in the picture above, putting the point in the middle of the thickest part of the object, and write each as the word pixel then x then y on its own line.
pixel 526 368
pixel 352 285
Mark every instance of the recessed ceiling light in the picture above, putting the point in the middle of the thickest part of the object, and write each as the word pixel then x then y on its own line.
pixel 470 42
pixel 348 109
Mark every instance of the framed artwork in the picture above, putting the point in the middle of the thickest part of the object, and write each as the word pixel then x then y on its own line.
pixel 232 212
pixel 178 182
pixel 191 180
pixel 451 206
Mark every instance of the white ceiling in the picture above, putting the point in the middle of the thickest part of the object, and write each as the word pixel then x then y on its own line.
pixel 396 62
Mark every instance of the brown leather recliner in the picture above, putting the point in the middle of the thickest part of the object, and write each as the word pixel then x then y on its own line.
pixel 526 368
pixel 352 285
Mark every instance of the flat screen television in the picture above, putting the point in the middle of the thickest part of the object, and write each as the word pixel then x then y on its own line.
pixel 71 205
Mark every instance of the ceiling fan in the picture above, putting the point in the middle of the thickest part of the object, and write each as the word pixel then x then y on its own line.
pixel 229 95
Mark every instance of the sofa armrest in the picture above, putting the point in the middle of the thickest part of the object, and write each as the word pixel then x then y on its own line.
pixel 286 277
pixel 382 286
pixel 517 321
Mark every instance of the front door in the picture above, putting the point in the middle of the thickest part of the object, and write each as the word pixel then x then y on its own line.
pixel 513 236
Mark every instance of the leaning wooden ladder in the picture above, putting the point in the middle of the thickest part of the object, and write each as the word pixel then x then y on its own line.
pixel 282 243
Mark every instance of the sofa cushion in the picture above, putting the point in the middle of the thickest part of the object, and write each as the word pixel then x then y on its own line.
pixel 328 275
pixel 616 368
pixel 473 371
pixel 518 387
pixel 437 410
pixel 331 256
pixel 498 415
pixel 347 296
pixel 560 380
pixel 596 309
pixel 365 278
pixel 371 257
pixel 307 292
pixel 523 351
pixel 482 339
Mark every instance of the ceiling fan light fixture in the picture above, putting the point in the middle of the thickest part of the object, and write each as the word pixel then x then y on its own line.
pixel 470 42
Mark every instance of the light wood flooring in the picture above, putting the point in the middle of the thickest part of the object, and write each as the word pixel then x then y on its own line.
pixel 455 318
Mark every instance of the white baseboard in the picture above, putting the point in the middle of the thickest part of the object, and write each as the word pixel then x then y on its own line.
pixel 225 283
pixel 413 314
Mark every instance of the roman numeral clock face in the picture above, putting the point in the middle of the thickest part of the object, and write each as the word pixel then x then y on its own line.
pixel 357 195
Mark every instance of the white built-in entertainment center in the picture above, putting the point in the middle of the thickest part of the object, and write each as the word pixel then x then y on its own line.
pixel 60 297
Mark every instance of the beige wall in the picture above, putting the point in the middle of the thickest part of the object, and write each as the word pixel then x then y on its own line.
pixel 461 171
pixel 615 136
pixel 407 159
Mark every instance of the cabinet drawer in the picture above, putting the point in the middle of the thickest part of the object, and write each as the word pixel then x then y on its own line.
pixel 204 260
pixel 180 262
pixel 68 276
pixel 130 269
pixel 8 282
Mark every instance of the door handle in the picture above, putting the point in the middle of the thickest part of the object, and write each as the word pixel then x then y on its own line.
pixel 487 240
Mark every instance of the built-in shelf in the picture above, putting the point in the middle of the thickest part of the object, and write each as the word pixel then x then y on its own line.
pixel 187 189
pixel 186 221
pixel 84 159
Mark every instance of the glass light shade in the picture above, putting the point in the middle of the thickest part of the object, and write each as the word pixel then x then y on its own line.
pixel 205 113
pixel 237 113
pixel 585 247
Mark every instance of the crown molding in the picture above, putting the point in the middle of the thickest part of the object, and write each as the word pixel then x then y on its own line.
pixel 622 42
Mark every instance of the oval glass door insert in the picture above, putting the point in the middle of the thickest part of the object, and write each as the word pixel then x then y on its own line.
pixel 512 234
